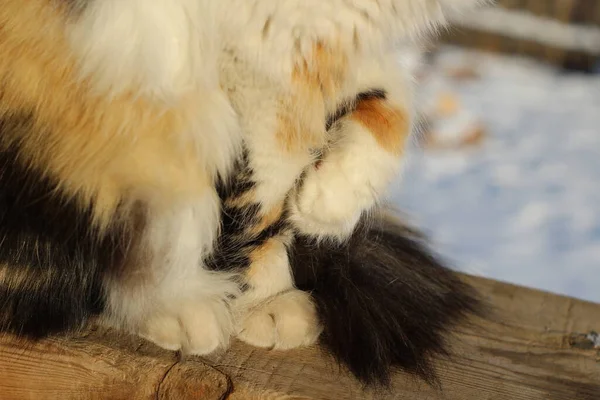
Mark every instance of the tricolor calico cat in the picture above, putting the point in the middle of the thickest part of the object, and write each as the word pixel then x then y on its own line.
pixel 197 170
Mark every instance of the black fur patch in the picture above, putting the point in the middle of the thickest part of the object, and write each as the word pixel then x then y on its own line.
pixel 235 242
pixel 384 300
pixel 50 257
pixel 231 250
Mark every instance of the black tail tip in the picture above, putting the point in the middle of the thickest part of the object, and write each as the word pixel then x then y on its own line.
pixel 385 301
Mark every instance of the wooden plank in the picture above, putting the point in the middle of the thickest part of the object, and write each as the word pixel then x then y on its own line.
pixel 524 354
pixel 535 347
pixel 102 365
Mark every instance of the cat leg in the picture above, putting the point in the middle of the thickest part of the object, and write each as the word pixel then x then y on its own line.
pixel 328 42
pixel 363 157
pixel 164 293
pixel 284 129
pixel 272 313
pixel 269 312
pixel 281 125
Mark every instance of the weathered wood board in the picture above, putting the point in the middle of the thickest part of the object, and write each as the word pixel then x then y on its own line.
pixel 535 348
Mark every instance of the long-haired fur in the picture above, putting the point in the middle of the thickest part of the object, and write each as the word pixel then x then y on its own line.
pixel 385 300
pixel 52 259
pixel 158 170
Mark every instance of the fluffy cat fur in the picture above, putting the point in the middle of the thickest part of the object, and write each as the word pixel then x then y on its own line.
pixel 194 170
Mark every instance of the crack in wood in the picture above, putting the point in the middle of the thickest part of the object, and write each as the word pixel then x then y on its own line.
pixel 164 377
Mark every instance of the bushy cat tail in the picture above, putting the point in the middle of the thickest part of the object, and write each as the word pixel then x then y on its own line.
pixel 384 300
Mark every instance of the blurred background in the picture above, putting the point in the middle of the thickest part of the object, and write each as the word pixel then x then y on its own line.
pixel 506 177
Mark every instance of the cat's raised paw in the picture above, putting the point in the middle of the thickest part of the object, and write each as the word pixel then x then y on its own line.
pixel 286 321
pixel 352 176
pixel 197 328
pixel 329 202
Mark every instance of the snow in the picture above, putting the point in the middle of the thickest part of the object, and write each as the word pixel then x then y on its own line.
pixel 594 338
pixel 524 206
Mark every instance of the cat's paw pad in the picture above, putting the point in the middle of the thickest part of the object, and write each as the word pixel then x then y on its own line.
pixel 286 321
pixel 329 202
pixel 194 328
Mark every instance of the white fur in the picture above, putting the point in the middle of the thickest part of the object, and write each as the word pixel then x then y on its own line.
pixel 166 48
pixel 348 182
pixel 215 132
pixel 160 47
pixel 356 170
pixel 257 100
pixel 272 313
pixel 294 26
pixel 286 321
pixel 167 51
pixel 169 46
pixel 172 300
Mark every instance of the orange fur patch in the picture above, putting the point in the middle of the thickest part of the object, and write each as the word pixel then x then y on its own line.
pixel 259 255
pixel 262 252
pixel 388 125
pixel 242 201
pixel 269 218
pixel 316 82
pixel 327 68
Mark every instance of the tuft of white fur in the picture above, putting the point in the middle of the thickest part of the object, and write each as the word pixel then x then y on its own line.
pixel 158 48
pixel 215 132
pixel 165 50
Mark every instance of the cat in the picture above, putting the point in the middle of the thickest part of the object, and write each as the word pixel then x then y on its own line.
pixel 196 170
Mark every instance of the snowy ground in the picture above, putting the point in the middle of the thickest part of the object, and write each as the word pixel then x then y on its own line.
pixel 524 207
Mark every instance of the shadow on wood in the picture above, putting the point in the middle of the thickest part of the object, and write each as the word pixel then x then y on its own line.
pixel 537 347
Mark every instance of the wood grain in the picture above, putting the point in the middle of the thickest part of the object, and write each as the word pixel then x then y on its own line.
pixel 102 365
pixel 534 347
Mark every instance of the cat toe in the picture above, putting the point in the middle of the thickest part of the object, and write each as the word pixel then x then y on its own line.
pixel 197 328
pixel 164 331
pixel 287 321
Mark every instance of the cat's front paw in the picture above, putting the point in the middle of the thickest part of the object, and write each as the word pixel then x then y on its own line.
pixel 331 200
pixel 198 327
pixel 349 181
pixel 286 321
